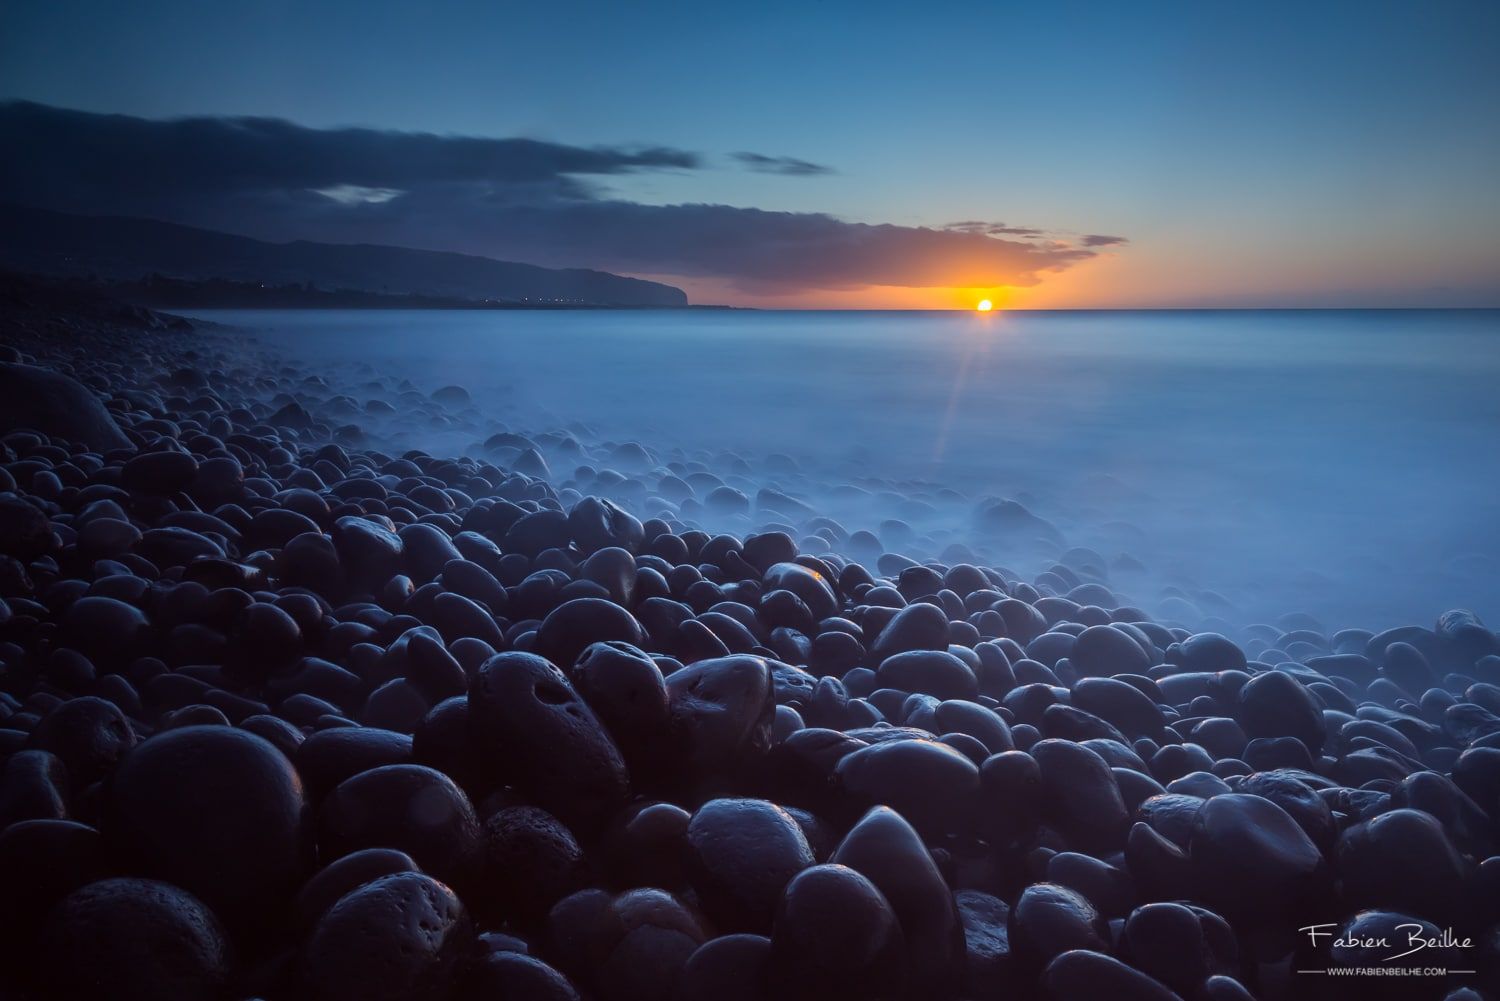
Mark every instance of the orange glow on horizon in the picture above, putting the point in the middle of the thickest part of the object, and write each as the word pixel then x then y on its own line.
pixel 715 292
pixel 1091 283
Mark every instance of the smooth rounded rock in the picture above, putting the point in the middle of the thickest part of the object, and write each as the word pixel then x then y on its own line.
pixel 930 784
pixel 1080 796
pixel 720 716
pixel 133 940
pixel 625 688
pixel 1207 652
pixel 1274 704
pixel 887 850
pixel 50 402
pixel 727 968
pixel 930 672
pixel 919 626
pixel 1049 920
pixel 217 811
pixel 836 939
pixel 1179 945
pixel 88 734
pixel 411 808
pixel 44 861
pixel 507 974
pixel 575 625
pixel 1086 975
pixel 1105 651
pixel 370 553
pixel 596 523
pixel 741 853
pixel 328 757
pixel 1375 864
pixel 1121 704
pixel 809 585
pixel 1253 862
pixel 343 875
pixel 105 629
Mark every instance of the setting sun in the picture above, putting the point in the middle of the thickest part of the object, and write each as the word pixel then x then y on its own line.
pixel 984 306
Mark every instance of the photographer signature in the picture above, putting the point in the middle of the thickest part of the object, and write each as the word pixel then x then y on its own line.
pixel 1417 940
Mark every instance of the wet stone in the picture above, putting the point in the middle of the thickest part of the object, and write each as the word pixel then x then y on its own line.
pixel 1049 920
pixel 1079 795
pixel 411 808
pixel 916 627
pixel 930 672
pixel 527 718
pixel 402 936
pixel 1374 862
pixel 727 968
pixel 1253 861
pixel 887 850
pixel 1085 973
pixel 343 875
pixel 933 786
pixel 531 861
pixel 133 940
pixel 216 811
pixel 720 715
pixel 1273 704
pixel 741 854
pixel 575 625
pixel 836 939
pixel 1106 651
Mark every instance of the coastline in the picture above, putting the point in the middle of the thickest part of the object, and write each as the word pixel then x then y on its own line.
pixel 591 699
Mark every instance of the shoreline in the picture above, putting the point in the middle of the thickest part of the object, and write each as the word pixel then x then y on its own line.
pixel 266 684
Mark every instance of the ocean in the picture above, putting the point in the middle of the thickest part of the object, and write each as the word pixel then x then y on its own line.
pixel 1239 465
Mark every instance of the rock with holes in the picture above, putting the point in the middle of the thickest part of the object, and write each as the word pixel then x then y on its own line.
pixel 538 733
pixel 402 937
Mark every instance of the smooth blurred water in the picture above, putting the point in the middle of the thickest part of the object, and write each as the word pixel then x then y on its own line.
pixel 1343 462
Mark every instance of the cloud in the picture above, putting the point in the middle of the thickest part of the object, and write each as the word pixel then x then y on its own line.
pixel 993 228
pixel 514 199
pixel 76 152
pixel 755 248
pixel 1053 240
pixel 353 194
pixel 789 165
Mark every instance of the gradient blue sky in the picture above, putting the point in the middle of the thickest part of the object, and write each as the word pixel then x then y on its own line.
pixel 1253 154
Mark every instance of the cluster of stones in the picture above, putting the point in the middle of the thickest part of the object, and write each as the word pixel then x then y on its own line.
pixel 281 718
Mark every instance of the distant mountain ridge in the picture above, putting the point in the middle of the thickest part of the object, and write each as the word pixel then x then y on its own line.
pixel 118 248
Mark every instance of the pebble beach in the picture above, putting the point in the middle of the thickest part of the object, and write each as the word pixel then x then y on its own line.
pixel 292 709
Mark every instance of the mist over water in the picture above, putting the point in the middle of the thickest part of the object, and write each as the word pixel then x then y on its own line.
pixel 1228 466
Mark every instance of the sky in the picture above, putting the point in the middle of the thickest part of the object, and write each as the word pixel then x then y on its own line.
pixel 807 154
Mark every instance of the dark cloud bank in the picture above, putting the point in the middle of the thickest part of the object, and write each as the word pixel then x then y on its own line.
pixel 517 199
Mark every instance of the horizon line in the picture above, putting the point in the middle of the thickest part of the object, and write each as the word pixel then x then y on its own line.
pixel 1081 309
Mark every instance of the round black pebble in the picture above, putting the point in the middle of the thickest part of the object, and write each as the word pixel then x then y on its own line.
pixel 572 626
pixel 741 854
pixel 531 862
pixel 411 808
pixel 836 939
pixel 217 811
pixel 400 938
pixel 341 876
pixel 89 734
pixel 527 718
pixel 132 940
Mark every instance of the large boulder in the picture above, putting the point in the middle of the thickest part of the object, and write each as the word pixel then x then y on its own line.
pixel 56 405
